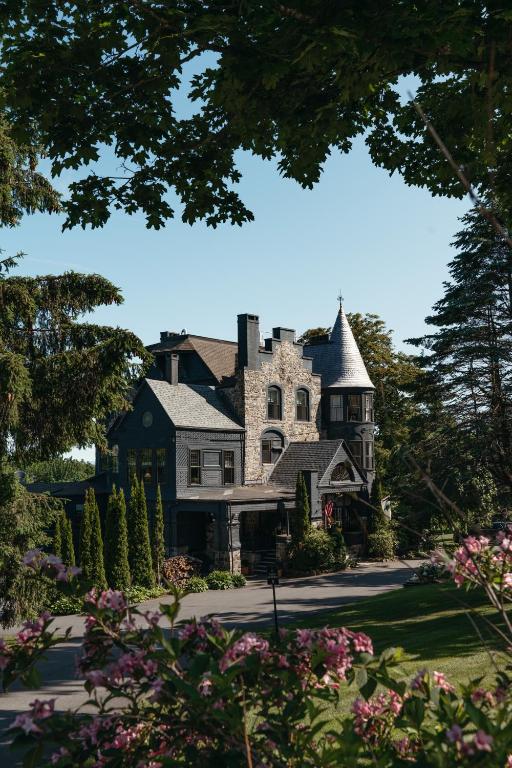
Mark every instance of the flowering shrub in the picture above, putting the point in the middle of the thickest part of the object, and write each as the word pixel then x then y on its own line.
pixel 203 695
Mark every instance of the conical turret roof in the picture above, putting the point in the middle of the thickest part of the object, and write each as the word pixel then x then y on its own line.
pixel 339 360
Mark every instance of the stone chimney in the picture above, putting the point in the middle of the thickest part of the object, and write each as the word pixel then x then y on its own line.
pixel 248 341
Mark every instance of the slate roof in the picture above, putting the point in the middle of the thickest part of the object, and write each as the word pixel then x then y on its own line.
pixel 303 456
pixel 194 406
pixel 339 360
pixel 219 355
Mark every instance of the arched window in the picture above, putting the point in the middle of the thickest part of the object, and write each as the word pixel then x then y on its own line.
pixel 274 408
pixel 342 473
pixel 302 405
pixel 272 444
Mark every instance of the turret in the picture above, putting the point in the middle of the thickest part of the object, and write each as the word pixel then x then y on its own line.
pixel 347 393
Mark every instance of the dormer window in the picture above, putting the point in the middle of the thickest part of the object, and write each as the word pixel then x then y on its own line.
pixel 342 473
pixel 274 406
pixel 302 405
pixel 336 404
pixel 354 408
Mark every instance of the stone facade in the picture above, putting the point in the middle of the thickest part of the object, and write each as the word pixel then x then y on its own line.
pixel 286 369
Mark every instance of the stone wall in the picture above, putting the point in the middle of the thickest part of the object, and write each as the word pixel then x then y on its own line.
pixel 249 399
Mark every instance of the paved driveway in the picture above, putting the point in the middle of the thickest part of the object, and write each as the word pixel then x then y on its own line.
pixel 247 607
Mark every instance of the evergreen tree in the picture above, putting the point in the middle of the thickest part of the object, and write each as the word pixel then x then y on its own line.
pixel 85 535
pixel 469 359
pixel 301 519
pixel 98 578
pixel 139 546
pixel 116 542
pixel 57 536
pixel 68 548
pixel 157 538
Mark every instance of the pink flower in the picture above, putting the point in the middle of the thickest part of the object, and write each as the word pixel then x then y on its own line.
pixel 508 764
pixel 26 723
pixel 249 643
pixel 305 638
pixel 442 683
pixel 42 709
pixel 205 687
pixel 362 643
pixel 112 599
pixel 152 618
pixel 483 741
pixel 95 676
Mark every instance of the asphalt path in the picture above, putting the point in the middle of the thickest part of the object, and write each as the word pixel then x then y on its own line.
pixel 249 608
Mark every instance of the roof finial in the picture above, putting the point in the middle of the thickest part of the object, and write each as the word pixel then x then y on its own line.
pixel 340 299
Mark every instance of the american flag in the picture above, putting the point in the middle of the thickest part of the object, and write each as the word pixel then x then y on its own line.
pixel 328 510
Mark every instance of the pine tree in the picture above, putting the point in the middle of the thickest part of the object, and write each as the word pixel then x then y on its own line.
pixel 470 360
pixel 98 577
pixel 116 542
pixel 57 536
pixel 68 548
pixel 141 566
pixel 301 521
pixel 157 538
pixel 85 535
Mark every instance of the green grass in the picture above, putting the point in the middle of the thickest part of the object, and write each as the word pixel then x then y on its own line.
pixel 431 623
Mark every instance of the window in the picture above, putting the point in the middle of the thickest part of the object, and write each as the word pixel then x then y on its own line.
pixel 211 459
pixel 354 408
pixel 302 405
pixel 368 407
pixel 274 403
pixel 131 464
pixel 161 466
pixel 342 472
pixel 146 465
pixel 229 467
pixel 115 459
pixel 356 449
pixel 195 467
pixel 336 407
pixel 104 463
pixel 369 461
pixel 271 446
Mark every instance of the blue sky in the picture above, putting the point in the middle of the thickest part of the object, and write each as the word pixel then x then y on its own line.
pixel 383 244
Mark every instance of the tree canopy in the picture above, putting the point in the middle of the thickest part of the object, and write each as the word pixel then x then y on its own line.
pixel 58 469
pixel 291 80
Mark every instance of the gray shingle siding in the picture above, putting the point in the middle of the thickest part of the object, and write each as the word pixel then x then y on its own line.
pixel 187 440
pixel 303 456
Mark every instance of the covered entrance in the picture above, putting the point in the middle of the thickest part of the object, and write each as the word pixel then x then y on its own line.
pixel 350 515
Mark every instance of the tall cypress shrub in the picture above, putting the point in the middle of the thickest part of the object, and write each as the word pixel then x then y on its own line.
pixel 157 538
pixel 85 535
pixel 141 566
pixel 301 521
pixel 116 542
pixel 68 548
pixel 57 536
pixel 98 577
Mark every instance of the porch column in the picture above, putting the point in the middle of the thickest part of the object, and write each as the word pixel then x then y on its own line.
pixel 234 541
pixel 173 531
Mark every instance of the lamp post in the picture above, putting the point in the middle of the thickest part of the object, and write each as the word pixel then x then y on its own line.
pixel 273 581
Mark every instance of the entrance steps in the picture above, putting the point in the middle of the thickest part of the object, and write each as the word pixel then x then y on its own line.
pixel 267 560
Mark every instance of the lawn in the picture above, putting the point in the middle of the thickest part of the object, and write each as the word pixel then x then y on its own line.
pixel 430 622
